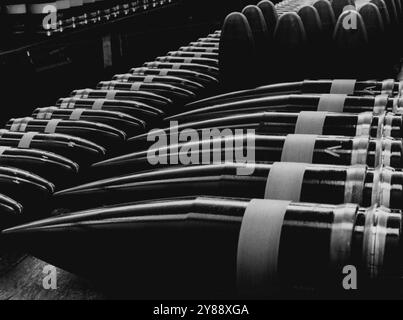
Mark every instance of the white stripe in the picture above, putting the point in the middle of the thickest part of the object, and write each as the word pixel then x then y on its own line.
pixel 136 86
pixel 20 125
pixel 310 122
pixel 52 125
pixel 343 86
pixel 42 8
pixel 259 246
pixel 76 3
pixel 16 8
pixel 63 4
pixel 332 102
pixel 110 95
pixel 98 104
pixel 164 72
pixel 26 140
pixel 148 79
pixel 76 114
pixel 285 181
pixel 298 148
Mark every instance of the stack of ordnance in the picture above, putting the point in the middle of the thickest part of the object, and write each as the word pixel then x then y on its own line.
pixel 48 17
pixel 59 143
pixel 318 40
pixel 281 188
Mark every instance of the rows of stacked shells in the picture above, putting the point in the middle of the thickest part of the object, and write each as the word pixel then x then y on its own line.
pixel 324 190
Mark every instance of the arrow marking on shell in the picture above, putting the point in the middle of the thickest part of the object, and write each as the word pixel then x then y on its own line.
pixel 369 90
pixel 333 151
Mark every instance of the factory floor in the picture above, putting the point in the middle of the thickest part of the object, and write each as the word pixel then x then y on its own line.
pixel 22 278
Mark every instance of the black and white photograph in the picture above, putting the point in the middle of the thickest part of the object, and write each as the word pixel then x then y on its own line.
pixel 200 157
